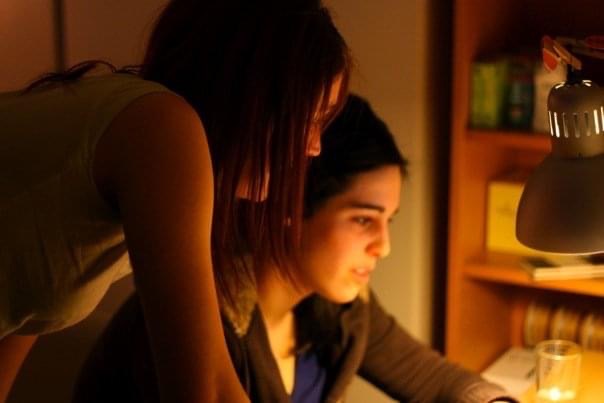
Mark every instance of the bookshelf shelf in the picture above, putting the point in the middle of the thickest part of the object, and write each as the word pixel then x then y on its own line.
pixel 511 139
pixel 506 269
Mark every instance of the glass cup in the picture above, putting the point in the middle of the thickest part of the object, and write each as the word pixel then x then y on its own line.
pixel 558 371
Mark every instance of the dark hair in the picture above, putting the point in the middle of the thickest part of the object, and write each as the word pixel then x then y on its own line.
pixel 357 141
pixel 75 72
pixel 255 71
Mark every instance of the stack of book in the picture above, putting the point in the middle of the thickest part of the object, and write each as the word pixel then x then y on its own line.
pixel 545 321
pixel 564 267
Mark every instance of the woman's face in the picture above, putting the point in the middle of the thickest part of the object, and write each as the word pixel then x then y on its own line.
pixel 343 240
pixel 312 150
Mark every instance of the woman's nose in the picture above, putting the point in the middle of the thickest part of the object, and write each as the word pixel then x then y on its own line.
pixel 380 247
pixel 314 143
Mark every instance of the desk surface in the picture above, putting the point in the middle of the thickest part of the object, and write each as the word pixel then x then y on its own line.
pixel 591 389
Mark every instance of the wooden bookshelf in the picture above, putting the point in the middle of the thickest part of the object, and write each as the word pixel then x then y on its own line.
pixel 506 269
pixel 487 296
pixel 511 139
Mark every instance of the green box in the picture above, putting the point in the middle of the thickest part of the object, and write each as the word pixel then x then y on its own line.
pixel 488 93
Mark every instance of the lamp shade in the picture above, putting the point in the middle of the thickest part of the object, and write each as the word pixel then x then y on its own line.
pixel 561 209
pixel 562 206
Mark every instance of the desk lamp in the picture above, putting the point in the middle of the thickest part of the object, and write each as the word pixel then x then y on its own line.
pixel 562 206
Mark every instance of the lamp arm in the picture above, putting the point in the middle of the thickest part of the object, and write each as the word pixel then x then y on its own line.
pixel 554 52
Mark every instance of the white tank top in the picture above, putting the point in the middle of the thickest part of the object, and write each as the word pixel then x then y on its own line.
pixel 61 245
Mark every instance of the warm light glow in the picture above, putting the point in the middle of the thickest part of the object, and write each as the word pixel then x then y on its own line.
pixel 554 394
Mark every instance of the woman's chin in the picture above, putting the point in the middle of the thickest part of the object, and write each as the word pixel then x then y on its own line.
pixel 341 297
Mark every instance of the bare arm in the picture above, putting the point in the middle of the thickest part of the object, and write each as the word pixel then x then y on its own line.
pixel 154 163
pixel 13 350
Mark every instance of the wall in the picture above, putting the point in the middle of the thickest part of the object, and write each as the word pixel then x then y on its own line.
pixel 401 51
pixel 27 41
pixel 113 30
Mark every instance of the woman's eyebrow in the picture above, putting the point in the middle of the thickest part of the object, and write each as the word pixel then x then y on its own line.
pixel 371 206
pixel 367 206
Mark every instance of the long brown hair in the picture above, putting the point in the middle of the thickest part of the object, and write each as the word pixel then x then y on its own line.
pixel 255 71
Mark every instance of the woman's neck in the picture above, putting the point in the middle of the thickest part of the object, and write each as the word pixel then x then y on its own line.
pixel 277 297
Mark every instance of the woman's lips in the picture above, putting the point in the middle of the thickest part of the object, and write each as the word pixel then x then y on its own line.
pixel 362 274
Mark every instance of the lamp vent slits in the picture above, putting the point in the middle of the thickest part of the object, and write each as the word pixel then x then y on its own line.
pixel 562 126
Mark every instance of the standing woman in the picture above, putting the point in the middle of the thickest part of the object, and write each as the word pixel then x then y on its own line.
pixel 304 341
pixel 148 166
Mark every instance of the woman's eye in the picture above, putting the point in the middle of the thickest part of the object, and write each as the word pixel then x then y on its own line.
pixel 364 221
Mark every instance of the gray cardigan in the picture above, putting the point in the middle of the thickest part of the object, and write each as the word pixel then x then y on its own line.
pixel 355 338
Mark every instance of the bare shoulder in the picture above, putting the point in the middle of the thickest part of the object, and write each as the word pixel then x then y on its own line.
pixel 161 114
pixel 156 130
pixel 159 108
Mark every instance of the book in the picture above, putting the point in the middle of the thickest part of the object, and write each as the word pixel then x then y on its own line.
pixel 564 267
pixel 488 92
pixel 514 371
pixel 503 195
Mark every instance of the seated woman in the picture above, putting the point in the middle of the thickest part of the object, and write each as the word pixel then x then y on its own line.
pixel 303 339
